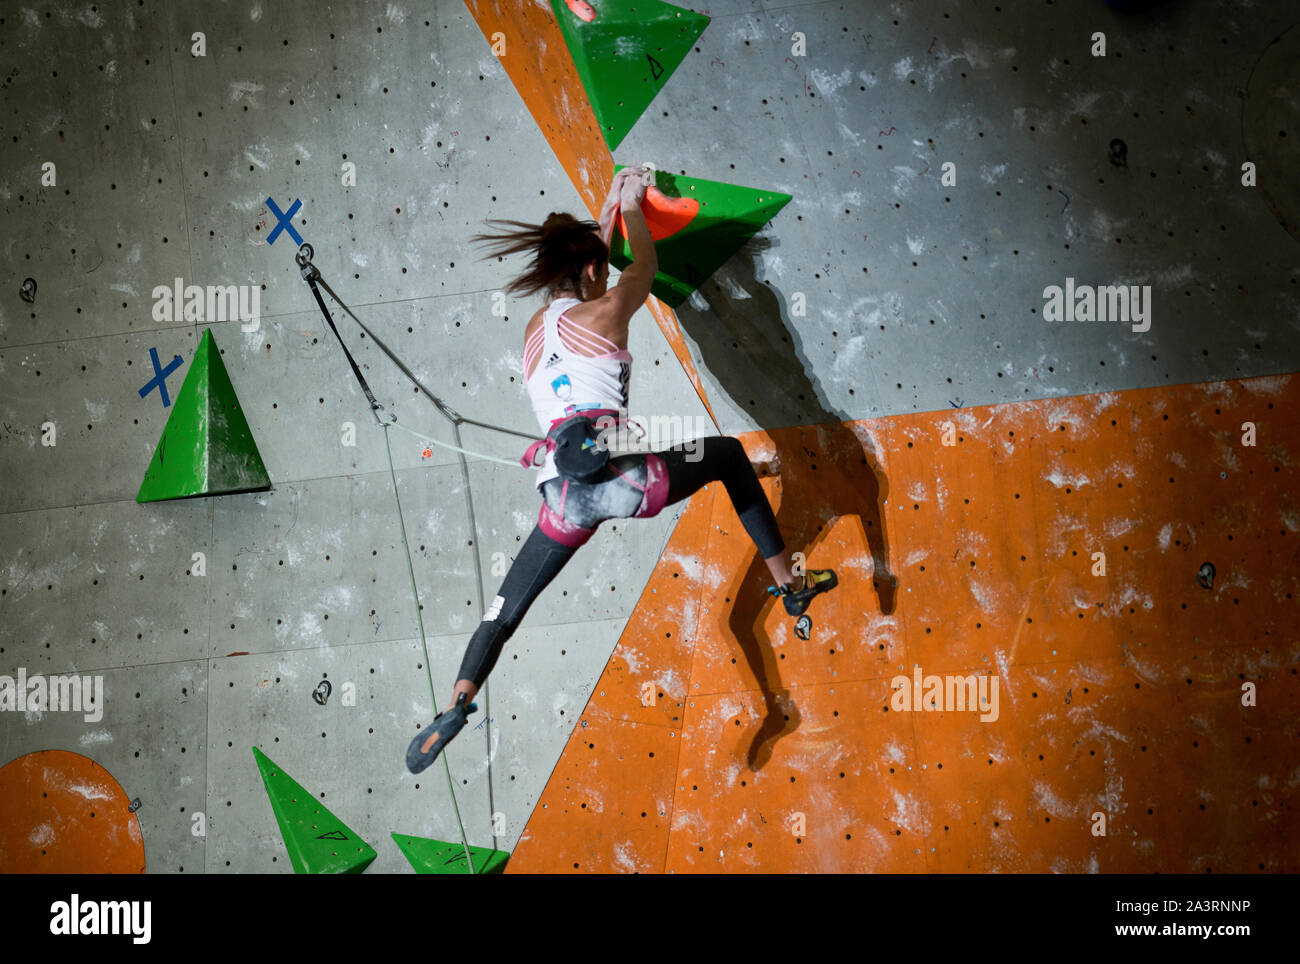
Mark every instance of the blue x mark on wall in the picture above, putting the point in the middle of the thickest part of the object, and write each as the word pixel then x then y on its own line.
pixel 160 376
pixel 284 222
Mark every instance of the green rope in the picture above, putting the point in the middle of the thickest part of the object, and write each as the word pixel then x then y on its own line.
pixel 485 693
pixel 428 666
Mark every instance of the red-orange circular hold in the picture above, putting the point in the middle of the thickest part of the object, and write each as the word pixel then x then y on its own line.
pixel 582 10
pixel 664 215
pixel 63 813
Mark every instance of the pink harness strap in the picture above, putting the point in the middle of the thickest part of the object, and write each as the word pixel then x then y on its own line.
pixel 559 529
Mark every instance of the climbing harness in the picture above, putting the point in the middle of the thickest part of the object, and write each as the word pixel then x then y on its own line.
pixel 578 443
pixel 312 276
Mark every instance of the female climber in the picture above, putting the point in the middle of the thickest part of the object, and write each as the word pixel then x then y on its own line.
pixel 576 369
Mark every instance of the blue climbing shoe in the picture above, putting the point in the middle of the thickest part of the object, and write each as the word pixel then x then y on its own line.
pixel 446 725
pixel 814 581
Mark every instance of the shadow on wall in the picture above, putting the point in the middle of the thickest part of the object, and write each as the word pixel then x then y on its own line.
pixel 756 358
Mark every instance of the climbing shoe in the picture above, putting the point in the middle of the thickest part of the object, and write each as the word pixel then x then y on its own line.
pixel 797 599
pixel 446 724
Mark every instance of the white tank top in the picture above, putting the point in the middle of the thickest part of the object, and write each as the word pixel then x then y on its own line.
pixel 565 382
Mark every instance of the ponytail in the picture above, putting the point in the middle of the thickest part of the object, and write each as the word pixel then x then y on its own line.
pixel 562 246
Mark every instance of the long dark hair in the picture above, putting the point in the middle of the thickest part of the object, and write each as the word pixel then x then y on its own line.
pixel 562 246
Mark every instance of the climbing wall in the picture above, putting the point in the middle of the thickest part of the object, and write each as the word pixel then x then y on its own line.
pixel 386 134
pixel 1143 716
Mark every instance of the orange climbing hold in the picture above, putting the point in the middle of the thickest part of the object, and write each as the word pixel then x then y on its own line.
pixel 582 10
pixel 664 215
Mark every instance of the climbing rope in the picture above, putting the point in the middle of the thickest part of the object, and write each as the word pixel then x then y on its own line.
pixel 428 666
pixel 313 277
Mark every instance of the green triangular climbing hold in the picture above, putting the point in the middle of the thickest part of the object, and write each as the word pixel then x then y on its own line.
pixel 728 216
pixel 206 447
pixel 318 842
pixel 439 857
pixel 625 54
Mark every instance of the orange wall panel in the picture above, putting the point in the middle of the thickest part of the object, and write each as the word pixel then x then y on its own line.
pixel 1119 694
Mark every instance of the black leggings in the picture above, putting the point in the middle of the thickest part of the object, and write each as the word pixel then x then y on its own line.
pixel 542 557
